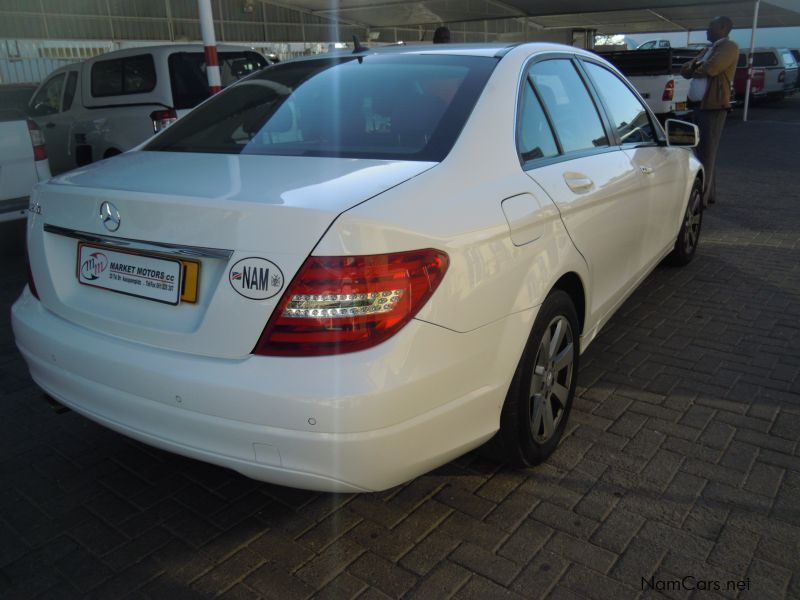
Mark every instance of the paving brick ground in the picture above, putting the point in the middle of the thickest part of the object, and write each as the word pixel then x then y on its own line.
pixel 682 459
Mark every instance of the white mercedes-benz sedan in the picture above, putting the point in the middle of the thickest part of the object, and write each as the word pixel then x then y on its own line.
pixel 346 270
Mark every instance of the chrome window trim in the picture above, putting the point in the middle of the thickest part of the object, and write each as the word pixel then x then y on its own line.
pixel 105 240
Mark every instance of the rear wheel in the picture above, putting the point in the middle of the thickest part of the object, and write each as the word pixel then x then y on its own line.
pixel 540 397
pixel 689 235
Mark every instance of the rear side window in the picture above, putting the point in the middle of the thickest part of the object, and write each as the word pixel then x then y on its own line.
pixel 566 99
pixel 129 75
pixel 189 81
pixel 628 115
pixel 401 107
pixel 535 138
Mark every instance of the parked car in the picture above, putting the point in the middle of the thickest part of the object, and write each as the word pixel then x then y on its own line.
pixel 115 101
pixel 347 270
pixel 656 75
pixel 780 73
pixel 23 160
pixel 796 54
pixel 654 44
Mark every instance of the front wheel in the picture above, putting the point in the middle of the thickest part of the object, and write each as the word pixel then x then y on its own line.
pixel 689 235
pixel 540 396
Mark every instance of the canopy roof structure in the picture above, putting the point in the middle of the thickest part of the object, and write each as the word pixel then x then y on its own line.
pixel 607 17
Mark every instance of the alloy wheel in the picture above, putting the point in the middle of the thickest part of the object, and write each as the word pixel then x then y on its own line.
pixel 551 379
pixel 691 222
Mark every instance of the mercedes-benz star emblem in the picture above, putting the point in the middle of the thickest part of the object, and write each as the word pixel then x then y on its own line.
pixel 109 215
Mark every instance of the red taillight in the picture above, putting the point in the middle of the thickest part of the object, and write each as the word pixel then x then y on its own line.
pixel 669 91
pixel 757 83
pixel 37 141
pixel 782 77
pixel 163 119
pixel 338 304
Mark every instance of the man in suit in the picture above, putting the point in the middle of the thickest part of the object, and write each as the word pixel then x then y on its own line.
pixel 710 94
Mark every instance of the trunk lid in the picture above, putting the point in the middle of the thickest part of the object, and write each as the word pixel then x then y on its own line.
pixel 233 216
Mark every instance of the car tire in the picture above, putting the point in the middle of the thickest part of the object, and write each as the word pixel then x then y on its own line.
pixel 691 225
pixel 539 399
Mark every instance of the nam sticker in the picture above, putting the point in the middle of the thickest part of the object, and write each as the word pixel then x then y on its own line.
pixel 256 278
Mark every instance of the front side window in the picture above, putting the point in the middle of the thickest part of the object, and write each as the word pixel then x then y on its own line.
pixel 47 100
pixel 788 60
pixel 129 75
pixel 406 107
pixel 567 101
pixel 628 115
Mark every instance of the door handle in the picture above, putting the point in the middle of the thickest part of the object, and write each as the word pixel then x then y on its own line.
pixel 578 183
pixel 50 125
pixel 646 170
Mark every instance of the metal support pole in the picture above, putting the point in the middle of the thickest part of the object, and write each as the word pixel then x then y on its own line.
pixel 750 62
pixel 210 45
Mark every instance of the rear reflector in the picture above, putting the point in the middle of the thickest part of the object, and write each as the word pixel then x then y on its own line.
pixel 339 304
pixel 669 91
pixel 37 141
pixel 163 119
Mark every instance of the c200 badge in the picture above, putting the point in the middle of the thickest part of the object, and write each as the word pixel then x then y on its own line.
pixel 256 278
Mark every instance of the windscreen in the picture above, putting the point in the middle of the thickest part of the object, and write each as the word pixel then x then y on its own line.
pixel 407 107
pixel 189 81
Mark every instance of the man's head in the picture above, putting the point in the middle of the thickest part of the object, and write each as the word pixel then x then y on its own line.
pixel 441 35
pixel 718 28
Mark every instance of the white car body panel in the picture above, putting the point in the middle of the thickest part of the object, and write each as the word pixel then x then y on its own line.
pixel 183 377
pixel 19 172
pixel 298 202
pixel 651 88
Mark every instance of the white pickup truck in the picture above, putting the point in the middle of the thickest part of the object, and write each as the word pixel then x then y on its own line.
pixel 656 76
pixel 110 103
pixel 23 161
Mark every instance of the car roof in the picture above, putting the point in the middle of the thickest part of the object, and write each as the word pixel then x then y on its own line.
pixel 488 50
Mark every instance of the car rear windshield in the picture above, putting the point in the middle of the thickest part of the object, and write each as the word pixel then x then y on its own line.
pixel 406 107
pixel 187 74
pixel 760 59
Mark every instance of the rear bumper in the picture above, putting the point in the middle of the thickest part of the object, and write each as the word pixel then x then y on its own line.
pixel 12 209
pixel 387 415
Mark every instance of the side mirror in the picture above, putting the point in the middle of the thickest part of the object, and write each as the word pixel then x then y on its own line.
pixel 682 133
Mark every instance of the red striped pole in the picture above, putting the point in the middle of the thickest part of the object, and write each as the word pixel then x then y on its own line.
pixel 210 45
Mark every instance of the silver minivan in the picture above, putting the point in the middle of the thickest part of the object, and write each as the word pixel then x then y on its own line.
pixel 110 103
pixel 780 70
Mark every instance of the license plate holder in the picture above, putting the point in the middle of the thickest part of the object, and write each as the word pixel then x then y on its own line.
pixel 131 272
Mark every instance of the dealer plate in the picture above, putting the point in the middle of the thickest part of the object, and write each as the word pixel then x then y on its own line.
pixel 132 273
